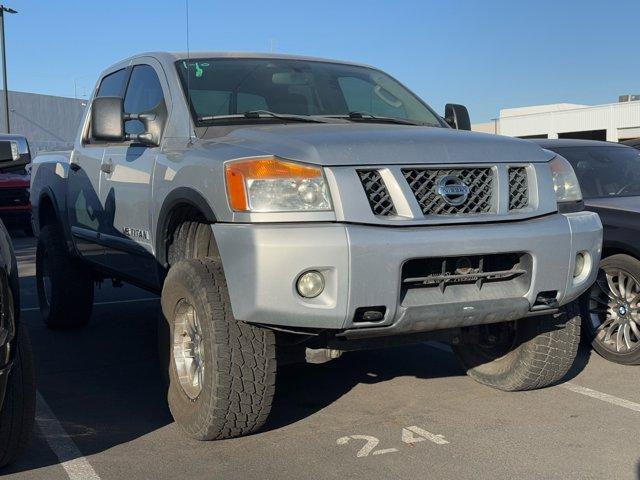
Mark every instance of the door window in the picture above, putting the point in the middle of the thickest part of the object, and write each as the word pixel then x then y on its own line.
pixel 144 94
pixel 113 84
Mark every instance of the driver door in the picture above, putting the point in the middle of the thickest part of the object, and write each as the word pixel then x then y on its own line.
pixel 126 183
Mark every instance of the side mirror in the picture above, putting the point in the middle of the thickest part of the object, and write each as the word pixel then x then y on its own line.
pixel 15 155
pixel 457 116
pixel 108 119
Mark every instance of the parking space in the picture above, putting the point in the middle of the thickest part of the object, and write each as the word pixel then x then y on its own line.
pixel 407 412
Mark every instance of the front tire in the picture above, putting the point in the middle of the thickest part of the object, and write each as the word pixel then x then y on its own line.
pixel 18 410
pixel 222 372
pixel 65 288
pixel 523 355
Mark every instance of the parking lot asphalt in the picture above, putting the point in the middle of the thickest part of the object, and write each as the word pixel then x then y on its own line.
pixel 406 412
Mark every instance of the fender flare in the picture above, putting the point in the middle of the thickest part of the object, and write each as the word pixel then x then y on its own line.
pixel 620 247
pixel 179 196
pixel 47 193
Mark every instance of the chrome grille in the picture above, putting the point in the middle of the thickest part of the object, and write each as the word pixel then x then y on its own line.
pixel 518 188
pixel 424 185
pixel 377 193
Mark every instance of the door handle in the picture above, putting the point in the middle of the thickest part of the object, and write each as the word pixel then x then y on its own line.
pixel 74 166
pixel 107 167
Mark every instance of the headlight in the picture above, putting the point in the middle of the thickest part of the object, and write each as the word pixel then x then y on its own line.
pixel 565 184
pixel 274 185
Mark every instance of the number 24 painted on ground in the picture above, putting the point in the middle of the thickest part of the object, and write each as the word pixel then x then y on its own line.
pixel 410 435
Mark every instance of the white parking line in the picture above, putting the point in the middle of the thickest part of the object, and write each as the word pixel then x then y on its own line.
pixel 605 397
pixel 589 392
pixel 75 465
pixel 33 309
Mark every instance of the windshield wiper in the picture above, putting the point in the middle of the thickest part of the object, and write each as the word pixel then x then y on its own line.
pixel 365 116
pixel 256 114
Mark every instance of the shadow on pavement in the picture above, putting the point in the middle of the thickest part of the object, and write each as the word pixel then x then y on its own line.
pixel 306 389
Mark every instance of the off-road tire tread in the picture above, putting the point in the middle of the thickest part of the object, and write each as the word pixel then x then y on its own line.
pixel 541 361
pixel 239 402
pixel 192 240
pixel 72 283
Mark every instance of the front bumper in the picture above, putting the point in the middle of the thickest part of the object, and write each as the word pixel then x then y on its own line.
pixel 362 267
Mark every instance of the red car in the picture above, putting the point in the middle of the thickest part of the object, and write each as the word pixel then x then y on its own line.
pixel 15 159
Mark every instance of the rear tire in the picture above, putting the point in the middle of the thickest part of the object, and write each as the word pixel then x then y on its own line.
pixel 222 372
pixel 65 287
pixel 533 353
pixel 19 407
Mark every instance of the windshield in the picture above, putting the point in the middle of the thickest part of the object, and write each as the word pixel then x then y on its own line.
pixel 229 86
pixel 605 171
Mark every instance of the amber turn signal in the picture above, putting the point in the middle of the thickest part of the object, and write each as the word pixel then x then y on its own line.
pixel 272 184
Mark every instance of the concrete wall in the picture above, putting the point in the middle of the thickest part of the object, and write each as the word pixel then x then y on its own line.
pixel 486 127
pixel 616 118
pixel 48 122
pixel 620 121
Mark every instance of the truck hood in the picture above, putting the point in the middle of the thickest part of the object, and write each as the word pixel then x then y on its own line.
pixel 340 144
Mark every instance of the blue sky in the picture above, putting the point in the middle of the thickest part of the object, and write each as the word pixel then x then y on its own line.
pixel 485 54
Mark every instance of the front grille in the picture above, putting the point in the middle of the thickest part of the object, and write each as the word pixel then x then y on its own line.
pixel 424 185
pixel 518 188
pixel 13 197
pixel 377 193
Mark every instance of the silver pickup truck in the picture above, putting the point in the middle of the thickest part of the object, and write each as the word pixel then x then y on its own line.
pixel 291 208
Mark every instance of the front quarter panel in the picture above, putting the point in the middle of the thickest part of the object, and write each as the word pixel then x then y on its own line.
pixel 621 230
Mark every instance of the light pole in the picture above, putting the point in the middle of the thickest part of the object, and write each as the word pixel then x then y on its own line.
pixel 4 9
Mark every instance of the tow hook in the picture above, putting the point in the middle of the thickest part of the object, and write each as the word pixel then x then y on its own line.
pixel 321 355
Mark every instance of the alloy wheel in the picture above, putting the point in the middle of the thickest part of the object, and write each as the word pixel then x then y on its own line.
pixel 188 354
pixel 614 310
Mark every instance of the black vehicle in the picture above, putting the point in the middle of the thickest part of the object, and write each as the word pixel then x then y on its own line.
pixel 609 176
pixel 17 380
pixel 635 143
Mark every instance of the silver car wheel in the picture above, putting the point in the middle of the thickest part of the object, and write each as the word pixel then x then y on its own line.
pixel 188 354
pixel 614 310
pixel 46 279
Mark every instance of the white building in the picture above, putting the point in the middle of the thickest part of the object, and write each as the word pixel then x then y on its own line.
pixel 613 122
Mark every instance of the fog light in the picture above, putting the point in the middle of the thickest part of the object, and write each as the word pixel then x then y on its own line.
pixel 580 263
pixel 310 284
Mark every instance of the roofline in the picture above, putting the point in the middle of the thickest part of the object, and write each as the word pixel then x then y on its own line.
pixel 176 56
pixel 585 107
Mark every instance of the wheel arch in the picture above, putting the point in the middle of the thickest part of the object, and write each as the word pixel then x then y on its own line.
pixel 615 248
pixel 181 204
pixel 47 212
